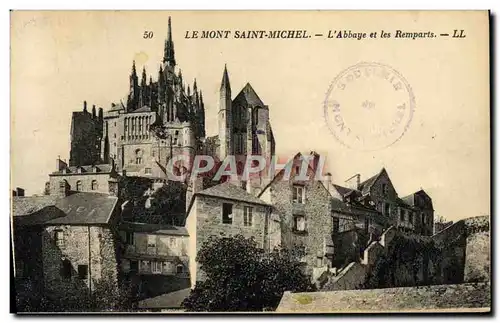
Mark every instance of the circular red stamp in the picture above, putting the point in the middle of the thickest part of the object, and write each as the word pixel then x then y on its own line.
pixel 369 106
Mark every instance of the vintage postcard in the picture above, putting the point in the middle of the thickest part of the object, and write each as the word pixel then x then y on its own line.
pixel 250 161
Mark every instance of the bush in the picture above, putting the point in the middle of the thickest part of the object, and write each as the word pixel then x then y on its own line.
pixel 241 277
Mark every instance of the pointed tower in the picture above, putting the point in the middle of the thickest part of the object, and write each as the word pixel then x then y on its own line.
pixel 225 117
pixel 151 94
pixel 105 153
pixel 169 53
pixel 143 98
pixel 201 116
pixel 133 96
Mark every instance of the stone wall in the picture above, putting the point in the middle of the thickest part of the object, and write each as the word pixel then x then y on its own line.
pixel 318 216
pixel 460 253
pixel 102 264
pixel 462 297
pixel 477 253
pixel 86 179
pixel 207 212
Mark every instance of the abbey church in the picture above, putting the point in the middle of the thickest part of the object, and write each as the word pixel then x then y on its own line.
pixel 164 118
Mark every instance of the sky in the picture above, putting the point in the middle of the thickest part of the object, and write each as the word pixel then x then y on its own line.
pixel 60 59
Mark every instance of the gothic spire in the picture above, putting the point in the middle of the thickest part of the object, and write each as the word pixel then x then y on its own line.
pixel 169 53
pixel 225 80
pixel 144 77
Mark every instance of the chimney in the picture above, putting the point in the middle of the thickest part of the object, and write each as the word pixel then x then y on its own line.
pixel 19 191
pixel 60 164
pixel 84 106
pixel 353 182
pixel 101 114
pixel 93 111
pixel 327 181
pixel 315 161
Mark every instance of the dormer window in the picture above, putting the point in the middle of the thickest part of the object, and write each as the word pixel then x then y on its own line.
pixel 298 194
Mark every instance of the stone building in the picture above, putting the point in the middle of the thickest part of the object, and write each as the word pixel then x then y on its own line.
pixel 155 260
pixel 420 203
pixel 244 128
pixel 140 134
pixel 68 247
pixel 324 226
pixel 86 136
pixel 226 210
pixel 379 192
pixel 87 178
pixel 154 249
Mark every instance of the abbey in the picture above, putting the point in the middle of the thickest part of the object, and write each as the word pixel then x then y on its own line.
pixel 139 134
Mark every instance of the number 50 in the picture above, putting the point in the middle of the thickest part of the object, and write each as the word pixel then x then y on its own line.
pixel 147 35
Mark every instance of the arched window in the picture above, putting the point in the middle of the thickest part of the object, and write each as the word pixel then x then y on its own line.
pixel 79 185
pixel 95 186
pixel 138 156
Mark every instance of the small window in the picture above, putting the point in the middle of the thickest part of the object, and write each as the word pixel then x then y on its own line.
pixel 402 215
pixel 156 267
pixel 385 189
pixel 299 223
pixel 94 185
pixel 134 266
pixel 173 242
pixel 147 171
pixel 129 237
pixel 180 269
pixel 336 225
pixel 367 224
pixel 62 187
pixel 298 194
pixel 227 213
pixel 145 266
pixel 153 153
pixel 79 186
pixel 410 217
pixel 59 238
pixel 387 209
pixel 247 216
pixel 151 241
pixel 297 170
pixel 83 271
pixel 66 269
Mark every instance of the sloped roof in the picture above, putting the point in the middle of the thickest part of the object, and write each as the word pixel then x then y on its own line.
pixel 85 208
pixel 343 190
pixel 26 205
pixel 249 95
pixel 168 300
pixel 163 229
pixel 143 109
pixel 365 186
pixel 232 192
pixel 100 168
pixel 409 199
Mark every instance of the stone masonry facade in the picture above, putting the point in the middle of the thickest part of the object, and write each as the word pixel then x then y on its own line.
pixel 72 247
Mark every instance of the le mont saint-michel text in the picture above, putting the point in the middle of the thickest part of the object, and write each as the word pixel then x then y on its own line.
pixel 285 34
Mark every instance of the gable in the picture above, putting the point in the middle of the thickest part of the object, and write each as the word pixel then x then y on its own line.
pixel 375 185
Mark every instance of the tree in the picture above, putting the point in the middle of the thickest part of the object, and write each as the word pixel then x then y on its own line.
pixel 241 277
pixel 168 204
